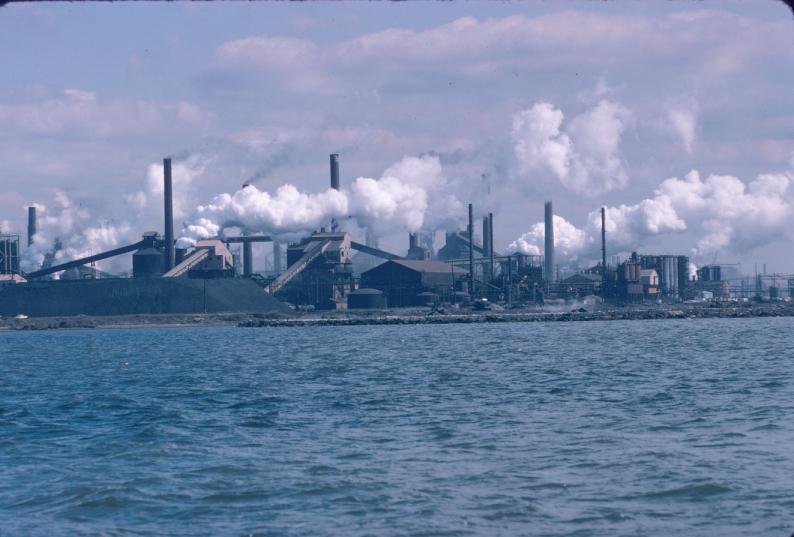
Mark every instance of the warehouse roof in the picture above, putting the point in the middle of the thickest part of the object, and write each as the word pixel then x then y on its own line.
pixel 429 266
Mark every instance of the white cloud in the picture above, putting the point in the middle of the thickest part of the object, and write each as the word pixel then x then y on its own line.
pixel 584 157
pixel 684 123
pixel 79 112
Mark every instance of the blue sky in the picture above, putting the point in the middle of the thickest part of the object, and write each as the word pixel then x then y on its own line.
pixel 94 95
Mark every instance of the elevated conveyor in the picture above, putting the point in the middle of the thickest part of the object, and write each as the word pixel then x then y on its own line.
pixel 188 263
pixel 374 251
pixel 86 260
pixel 312 253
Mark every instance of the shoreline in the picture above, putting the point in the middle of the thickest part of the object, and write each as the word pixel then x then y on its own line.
pixel 397 316
pixel 536 316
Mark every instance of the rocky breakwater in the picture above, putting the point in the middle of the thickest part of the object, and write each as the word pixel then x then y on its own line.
pixel 606 314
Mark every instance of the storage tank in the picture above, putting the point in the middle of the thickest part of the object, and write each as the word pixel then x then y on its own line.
pixel 366 299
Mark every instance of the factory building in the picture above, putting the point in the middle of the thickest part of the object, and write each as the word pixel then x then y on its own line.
pixel 582 284
pixel 320 271
pixel 9 254
pixel 403 281
pixel 456 246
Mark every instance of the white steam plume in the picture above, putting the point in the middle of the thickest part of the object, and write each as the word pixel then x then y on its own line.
pixel 718 213
pixel 72 226
pixel 583 157
pixel 407 197
pixel 569 241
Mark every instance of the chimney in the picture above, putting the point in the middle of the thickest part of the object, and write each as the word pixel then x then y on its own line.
pixel 486 238
pixel 334 184
pixel 490 243
pixel 168 199
pixel 549 260
pixel 31 224
pixel 471 250
pixel 604 251
pixel 335 171
pixel 603 242
pixel 412 241
pixel 276 258
pixel 248 259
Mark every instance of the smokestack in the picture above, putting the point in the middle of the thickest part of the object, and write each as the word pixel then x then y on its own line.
pixel 168 199
pixel 31 224
pixel 335 171
pixel 604 250
pixel 490 242
pixel 486 238
pixel 248 259
pixel 471 250
pixel 412 241
pixel 276 258
pixel 549 260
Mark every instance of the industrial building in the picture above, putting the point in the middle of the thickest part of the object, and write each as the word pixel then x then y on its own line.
pixel 412 282
pixel 327 269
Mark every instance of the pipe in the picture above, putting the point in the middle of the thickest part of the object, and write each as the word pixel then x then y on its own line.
pixel 471 250
pixel 548 261
pixel 31 224
pixel 168 200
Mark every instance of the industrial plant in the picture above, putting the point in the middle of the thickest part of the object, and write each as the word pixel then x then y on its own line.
pixel 322 272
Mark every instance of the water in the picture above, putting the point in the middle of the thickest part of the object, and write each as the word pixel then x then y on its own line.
pixel 618 428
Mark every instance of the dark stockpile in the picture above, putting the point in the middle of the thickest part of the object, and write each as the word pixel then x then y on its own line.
pixel 128 296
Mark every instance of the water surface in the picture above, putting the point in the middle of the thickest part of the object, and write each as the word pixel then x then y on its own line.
pixel 593 428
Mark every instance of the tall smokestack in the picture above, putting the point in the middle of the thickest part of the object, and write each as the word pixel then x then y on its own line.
pixel 549 260
pixel 413 241
pixel 168 199
pixel 471 250
pixel 248 259
pixel 490 242
pixel 604 250
pixel 276 258
pixel 486 238
pixel 335 171
pixel 334 183
pixel 31 224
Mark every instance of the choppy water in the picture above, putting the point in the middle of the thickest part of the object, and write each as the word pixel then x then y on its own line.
pixel 633 428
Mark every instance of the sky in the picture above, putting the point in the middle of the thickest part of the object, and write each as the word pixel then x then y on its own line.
pixel 676 116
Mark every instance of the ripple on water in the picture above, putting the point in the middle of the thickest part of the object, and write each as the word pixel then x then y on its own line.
pixel 411 430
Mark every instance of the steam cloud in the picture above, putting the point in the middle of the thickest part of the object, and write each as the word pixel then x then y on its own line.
pixel 722 211
pixel 70 225
pixel 407 197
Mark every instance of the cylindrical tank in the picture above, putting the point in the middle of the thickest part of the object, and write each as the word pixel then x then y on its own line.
pixel 366 299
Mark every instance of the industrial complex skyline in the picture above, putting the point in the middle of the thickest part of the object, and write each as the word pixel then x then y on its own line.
pixel 502 105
